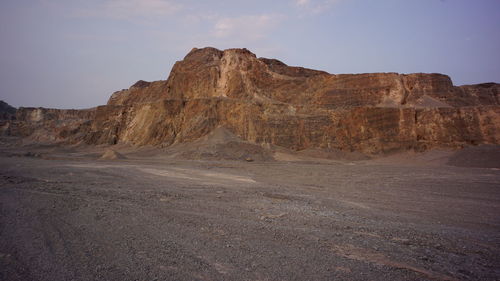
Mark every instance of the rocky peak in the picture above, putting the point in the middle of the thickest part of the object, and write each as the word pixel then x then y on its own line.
pixel 239 74
pixel 141 84
pixel 203 55
pixel 7 112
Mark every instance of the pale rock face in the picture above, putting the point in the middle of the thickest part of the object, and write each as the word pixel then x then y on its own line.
pixel 36 115
pixel 267 102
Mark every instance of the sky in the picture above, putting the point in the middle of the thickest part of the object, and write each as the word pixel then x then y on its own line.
pixel 76 53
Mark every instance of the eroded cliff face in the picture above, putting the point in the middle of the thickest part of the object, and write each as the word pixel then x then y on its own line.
pixel 47 125
pixel 267 102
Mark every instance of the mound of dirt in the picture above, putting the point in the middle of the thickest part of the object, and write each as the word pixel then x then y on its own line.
pixel 221 144
pixel 110 154
pixel 483 156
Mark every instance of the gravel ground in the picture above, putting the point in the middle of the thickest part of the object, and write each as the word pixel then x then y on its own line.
pixel 78 218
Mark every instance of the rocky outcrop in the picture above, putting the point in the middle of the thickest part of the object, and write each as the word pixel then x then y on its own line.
pixel 52 125
pixel 7 112
pixel 264 101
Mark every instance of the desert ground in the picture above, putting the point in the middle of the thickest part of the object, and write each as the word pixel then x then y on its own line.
pixel 67 214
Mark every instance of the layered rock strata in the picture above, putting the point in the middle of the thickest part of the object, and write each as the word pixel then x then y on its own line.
pixel 47 125
pixel 267 102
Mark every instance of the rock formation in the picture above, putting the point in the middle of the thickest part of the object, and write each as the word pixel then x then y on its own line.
pixel 266 102
pixel 47 125
pixel 7 112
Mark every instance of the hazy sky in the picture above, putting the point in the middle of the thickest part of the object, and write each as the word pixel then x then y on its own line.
pixel 75 53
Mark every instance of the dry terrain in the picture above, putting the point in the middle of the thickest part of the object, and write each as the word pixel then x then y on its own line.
pixel 66 214
pixel 244 168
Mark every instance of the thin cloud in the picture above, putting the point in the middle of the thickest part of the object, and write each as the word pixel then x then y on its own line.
pixel 315 6
pixel 130 9
pixel 302 3
pixel 252 27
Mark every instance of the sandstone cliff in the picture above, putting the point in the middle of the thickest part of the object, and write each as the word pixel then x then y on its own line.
pixel 264 101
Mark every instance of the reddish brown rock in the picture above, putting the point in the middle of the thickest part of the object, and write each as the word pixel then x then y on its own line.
pixel 140 92
pixel 264 101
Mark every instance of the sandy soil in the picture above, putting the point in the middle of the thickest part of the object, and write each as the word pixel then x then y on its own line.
pixel 65 215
